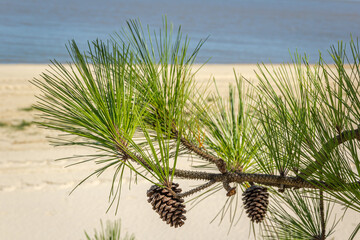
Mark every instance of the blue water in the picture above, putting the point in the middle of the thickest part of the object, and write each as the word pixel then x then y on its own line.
pixel 241 31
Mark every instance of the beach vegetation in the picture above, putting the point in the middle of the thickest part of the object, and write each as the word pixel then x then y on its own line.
pixel 112 231
pixel 27 109
pixel 22 125
pixel 284 146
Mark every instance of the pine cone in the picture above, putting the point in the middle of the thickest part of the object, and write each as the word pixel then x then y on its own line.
pixel 170 208
pixel 256 201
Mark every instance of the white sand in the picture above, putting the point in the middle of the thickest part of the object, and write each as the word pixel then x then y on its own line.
pixel 34 189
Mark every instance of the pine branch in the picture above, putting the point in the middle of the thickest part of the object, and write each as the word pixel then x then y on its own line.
pixel 322 155
pixel 240 177
pixel 197 189
pixel 219 162
pixel 263 179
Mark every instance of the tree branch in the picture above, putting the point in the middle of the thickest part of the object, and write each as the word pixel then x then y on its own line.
pixel 219 162
pixel 238 177
pixel 197 189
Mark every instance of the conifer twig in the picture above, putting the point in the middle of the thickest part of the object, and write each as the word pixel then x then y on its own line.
pixel 219 162
pixel 240 177
pixel 197 189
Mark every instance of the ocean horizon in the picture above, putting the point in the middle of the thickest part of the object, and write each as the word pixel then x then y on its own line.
pixel 34 31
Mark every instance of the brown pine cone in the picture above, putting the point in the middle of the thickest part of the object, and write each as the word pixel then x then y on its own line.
pixel 256 201
pixel 170 207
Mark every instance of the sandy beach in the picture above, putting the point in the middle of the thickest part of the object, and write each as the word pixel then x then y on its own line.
pixel 34 188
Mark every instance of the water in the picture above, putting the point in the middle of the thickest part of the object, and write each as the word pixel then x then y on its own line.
pixel 246 31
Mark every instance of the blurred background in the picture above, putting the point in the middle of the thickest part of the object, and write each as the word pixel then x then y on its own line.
pixel 246 31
